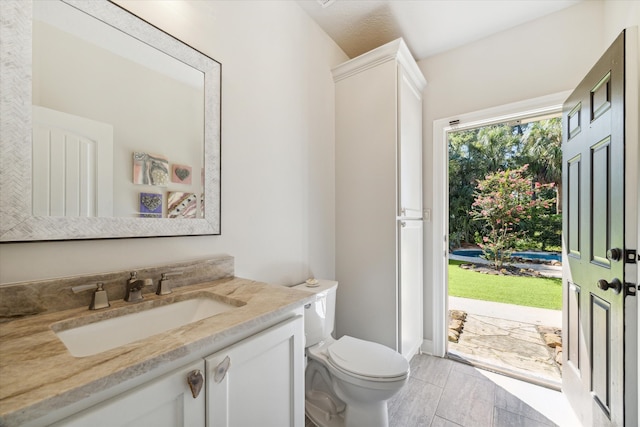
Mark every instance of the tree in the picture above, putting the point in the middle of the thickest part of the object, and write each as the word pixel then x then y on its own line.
pixel 474 153
pixel 463 174
pixel 503 202
pixel 497 148
pixel 542 151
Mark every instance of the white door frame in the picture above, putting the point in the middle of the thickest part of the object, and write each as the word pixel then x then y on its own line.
pixel 632 221
pixel 537 107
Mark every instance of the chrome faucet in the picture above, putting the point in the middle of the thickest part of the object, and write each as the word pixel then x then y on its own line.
pixel 134 287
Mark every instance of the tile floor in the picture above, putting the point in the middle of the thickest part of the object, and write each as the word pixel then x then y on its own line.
pixel 445 393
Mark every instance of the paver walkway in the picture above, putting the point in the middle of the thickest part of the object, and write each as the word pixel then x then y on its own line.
pixel 536 316
pixel 512 346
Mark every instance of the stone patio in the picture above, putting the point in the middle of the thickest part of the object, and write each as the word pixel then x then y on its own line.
pixel 513 347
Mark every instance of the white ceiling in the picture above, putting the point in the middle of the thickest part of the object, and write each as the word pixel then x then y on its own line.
pixel 427 26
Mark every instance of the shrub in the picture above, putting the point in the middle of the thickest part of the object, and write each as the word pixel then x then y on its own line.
pixel 504 203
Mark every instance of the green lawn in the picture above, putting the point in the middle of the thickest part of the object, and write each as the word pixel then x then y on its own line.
pixel 528 291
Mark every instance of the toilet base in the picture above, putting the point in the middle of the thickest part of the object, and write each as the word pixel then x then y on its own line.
pixel 353 416
pixel 373 415
pixel 321 417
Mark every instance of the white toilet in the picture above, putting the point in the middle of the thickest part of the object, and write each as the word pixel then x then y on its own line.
pixel 347 381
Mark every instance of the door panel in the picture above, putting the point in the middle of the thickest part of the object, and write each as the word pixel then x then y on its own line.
pixel 163 402
pixel 593 174
pixel 573 312
pixel 72 165
pixel 600 182
pixel 600 325
pixel 258 381
pixel 410 289
pixel 410 153
pixel 572 191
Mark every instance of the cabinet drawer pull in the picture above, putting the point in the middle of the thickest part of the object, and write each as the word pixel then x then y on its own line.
pixel 221 370
pixel 195 380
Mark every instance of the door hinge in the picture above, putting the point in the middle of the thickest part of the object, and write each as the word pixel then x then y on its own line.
pixel 630 289
pixel 630 256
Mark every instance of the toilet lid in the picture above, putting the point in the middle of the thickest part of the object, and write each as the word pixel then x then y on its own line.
pixel 367 358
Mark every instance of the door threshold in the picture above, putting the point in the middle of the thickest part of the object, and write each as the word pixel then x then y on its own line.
pixel 502 370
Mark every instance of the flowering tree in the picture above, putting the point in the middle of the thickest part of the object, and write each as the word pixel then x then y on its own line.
pixel 504 201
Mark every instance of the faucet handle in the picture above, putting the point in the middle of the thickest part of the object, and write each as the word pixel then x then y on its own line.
pixel 164 288
pixel 165 276
pixel 99 299
pixel 82 288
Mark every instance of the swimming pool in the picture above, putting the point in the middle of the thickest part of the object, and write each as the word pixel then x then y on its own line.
pixel 547 256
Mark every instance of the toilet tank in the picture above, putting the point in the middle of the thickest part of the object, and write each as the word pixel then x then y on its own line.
pixel 319 315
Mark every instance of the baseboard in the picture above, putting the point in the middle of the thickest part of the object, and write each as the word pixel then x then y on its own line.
pixel 427 347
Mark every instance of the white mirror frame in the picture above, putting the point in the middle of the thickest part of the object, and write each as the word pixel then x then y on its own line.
pixel 16 221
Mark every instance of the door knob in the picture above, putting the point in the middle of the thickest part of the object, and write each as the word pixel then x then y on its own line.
pixel 614 254
pixel 614 285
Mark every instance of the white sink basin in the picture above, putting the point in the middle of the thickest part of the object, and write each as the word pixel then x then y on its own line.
pixel 103 335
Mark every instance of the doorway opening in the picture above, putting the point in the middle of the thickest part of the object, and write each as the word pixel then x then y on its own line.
pixel 517 116
pixel 505 231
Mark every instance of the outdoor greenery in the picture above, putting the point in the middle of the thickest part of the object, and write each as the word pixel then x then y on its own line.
pixel 476 154
pixel 518 290
pixel 506 204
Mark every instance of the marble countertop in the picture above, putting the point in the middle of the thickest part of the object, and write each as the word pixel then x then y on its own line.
pixel 39 375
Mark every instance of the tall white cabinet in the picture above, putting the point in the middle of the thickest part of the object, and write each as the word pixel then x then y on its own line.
pixel 379 232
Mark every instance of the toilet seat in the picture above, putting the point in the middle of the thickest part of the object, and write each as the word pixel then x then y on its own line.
pixel 367 360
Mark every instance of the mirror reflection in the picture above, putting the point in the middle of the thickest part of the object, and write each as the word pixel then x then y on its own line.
pixel 118 125
pixel 103 151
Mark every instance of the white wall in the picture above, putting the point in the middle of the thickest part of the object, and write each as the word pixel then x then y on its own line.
pixel 277 151
pixel 618 15
pixel 542 57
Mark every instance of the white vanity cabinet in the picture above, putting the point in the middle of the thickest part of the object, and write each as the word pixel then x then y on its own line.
pixel 259 381
pixel 163 402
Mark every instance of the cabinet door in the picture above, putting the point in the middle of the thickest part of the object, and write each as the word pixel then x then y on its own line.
pixel 410 287
pixel 260 380
pixel 165 401
pixel 410 148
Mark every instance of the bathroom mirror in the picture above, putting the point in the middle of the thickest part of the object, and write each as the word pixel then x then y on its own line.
pixel 109 127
